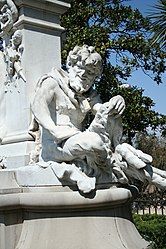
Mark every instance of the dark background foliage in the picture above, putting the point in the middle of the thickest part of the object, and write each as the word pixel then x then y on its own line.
pixel 123 37
pixel 152 228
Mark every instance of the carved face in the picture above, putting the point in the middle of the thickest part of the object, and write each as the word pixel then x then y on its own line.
pixel 82 75
pixel 17 38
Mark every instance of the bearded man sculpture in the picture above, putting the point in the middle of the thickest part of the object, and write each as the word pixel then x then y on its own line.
pixel 61 103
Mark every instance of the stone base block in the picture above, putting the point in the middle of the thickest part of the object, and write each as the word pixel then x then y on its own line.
pixel 16 154
pixel 57 217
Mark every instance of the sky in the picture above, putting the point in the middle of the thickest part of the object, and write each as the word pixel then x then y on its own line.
pixel 154 91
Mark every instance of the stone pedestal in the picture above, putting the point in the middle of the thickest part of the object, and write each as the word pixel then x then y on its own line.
pixel 56 217
pixel 39 209
pixel 39 21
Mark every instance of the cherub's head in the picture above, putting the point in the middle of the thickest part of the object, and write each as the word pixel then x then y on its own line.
pixel 17 38
pixel 84 65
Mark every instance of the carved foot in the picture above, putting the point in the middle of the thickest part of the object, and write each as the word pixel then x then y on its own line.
pixel 71 172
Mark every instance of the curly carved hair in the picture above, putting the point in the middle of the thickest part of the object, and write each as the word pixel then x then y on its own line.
pixel 87 56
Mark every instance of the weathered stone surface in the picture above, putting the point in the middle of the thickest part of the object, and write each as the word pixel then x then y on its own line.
pixel 43 219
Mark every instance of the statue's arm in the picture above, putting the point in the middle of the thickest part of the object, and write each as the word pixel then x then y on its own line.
pixel 45 94
pixel 40 104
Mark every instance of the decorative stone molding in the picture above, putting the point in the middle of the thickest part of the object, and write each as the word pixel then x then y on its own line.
pixel 39 23
pixel 9 15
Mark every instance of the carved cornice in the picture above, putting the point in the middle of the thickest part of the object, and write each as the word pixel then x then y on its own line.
pixel 65 200
pixel 38 23
pixel 58 7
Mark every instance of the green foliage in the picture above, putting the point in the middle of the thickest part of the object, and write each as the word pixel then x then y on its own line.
pixel 138 115
pixel 116 31
pixel 153 228
pixel 158 19
pixel 121 35
pixel 155 146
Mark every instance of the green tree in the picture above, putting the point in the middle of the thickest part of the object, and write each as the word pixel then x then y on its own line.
pixel 121 35
pixel 155 146
pixel 139 115
pixel 158 19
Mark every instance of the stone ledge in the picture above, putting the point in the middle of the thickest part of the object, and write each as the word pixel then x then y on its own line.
pixel 9 139
pixel 65 200
pixel 38 23
pixel 68 220
pixel 49 5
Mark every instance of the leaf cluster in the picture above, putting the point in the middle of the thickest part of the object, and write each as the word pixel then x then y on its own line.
pixel 155 146
pixel 122 36
pixel 153 228
pixel 117 31
pixel 158 20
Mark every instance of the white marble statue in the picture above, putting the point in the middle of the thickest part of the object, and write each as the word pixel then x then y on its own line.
pixel 12 54
pixel 61 102
pixel 60 105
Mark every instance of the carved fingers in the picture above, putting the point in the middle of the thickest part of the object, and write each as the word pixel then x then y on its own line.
pixel 116 105
pixel 133 157
pixel 119 104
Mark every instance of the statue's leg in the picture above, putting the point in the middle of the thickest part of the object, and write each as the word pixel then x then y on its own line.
pixel 81 145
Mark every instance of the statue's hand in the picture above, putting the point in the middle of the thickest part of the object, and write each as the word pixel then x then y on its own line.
pixel 133 157
pixel 115 106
